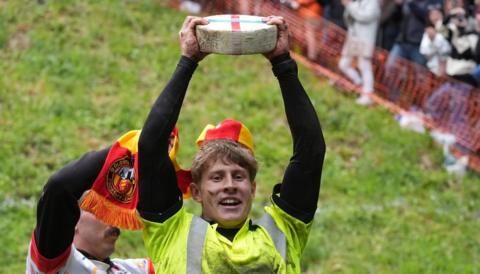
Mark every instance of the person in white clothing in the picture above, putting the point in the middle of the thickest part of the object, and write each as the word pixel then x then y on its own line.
pixel 436 49
pixel 362 19
pixel 434 46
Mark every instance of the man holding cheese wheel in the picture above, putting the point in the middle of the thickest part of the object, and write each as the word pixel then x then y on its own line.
pixel 224 239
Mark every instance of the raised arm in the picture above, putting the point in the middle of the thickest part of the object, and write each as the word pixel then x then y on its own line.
pixel 57 210
pixel 301 182
pixel 158 190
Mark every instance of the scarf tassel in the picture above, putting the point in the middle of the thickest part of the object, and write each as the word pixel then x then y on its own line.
pixel 110 213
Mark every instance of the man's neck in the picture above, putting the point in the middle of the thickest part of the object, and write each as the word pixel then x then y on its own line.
pixel 91 257
pixel 229 233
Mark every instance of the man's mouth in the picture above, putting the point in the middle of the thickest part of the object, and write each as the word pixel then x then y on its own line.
pixel 230 202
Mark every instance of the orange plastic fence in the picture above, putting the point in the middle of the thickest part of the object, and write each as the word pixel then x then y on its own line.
pixel 443 103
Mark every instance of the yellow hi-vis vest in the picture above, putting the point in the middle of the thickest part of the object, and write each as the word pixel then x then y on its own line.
pixel 188 244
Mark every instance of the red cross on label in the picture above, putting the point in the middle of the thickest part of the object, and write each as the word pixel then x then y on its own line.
pixel 235 22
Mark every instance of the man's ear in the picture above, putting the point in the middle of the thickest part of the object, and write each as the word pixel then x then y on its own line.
pixel 195 190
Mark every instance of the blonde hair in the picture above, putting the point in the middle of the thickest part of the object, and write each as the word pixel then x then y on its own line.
pixel 227 151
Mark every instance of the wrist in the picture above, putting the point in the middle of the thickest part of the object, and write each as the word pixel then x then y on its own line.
pixel 190 59
pixel 280 58
pixel 188 63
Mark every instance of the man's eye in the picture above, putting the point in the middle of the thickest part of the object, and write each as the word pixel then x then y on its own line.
pixel 216 178
pixel 239 177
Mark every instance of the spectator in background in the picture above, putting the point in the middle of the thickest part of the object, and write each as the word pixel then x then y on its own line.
pixel 333 11
pixel 361 17
pixel 389 24
pixel 307 8
pixel 412 27
pixel 311 11
pixel 467 5
pixel 434 46
pixel 465 55
pixel 435 17
pixel 448 5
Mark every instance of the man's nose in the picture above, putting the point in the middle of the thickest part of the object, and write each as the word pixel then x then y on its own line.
pixel 229 184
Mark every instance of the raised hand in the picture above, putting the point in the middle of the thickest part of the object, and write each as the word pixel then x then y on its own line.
pixel 188 39
pixel 283 40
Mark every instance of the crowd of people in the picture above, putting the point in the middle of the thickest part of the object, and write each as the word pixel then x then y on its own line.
pixel 439 34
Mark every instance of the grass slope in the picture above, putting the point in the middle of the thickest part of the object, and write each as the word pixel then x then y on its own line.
pixel 75 75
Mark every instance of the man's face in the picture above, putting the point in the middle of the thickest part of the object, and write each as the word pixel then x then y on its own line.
pixel 226 194
pixel 94 236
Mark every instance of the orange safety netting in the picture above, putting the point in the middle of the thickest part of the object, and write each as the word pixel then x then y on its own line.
pixel 441 102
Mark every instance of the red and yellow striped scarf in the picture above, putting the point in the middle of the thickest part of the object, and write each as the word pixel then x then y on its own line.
pixel 113 197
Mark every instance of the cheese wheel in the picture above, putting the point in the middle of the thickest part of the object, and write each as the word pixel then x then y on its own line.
pixel 236 35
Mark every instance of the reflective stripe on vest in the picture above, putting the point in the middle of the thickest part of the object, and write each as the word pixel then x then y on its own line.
pixel 198 231
pixel 196 239
pixel 275 233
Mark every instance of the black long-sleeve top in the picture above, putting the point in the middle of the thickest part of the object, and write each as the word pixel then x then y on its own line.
pixel 159 195
pixel 57 209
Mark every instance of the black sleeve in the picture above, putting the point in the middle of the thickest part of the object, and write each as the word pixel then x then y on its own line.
pixel 57 210
pixel 158 190
pixel 301 183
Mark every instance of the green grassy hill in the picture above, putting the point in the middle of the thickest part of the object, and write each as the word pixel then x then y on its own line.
pixel 75 75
